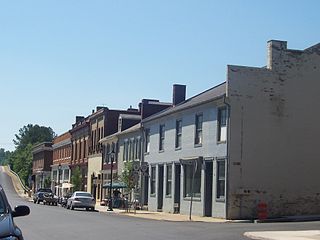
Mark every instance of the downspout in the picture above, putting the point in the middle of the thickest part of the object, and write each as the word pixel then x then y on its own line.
pixel 228 153
pixel 142 183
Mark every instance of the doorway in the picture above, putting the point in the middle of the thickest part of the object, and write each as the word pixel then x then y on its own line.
pixel 208 189
pixel 177 177
pixel 160 188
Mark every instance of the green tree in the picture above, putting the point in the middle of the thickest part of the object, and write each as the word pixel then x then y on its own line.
pixel 76 179
pixel 47 182
pixel 127 175
pixel 4 156
pixel 33 134
pixel 21 159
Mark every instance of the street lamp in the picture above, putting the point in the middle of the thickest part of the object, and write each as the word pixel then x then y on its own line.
pixel 111 156
pixel 59 169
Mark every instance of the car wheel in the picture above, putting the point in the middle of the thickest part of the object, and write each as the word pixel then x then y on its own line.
pixel 92 209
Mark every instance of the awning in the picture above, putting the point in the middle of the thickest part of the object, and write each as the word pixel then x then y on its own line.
pixel 67 185
pixel 115 185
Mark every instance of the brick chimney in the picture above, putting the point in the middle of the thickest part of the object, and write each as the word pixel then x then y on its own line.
pixel 179 94
pixel 276 50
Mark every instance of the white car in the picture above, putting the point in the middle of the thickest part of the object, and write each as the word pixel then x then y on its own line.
pixel 81 199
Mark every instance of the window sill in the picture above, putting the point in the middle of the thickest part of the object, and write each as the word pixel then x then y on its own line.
pixel 221 142
pixel 168 196
pixel 196 199
pixel 198 145
pixel 161 151
pixel 153 195
pixel 178 148
pixel 220 200
pixel 146 153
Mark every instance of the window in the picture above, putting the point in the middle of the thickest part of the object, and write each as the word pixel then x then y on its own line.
pixel 161 137
pixel 221 179
pixel 54 175
pixel 147 146
pixel 80 149
pixel 188 174
pixel 178 133
pixel 125 149
pixel 169 181
pixel 198 133
pixel 153 181
pixel 131 150
pixel 222 124
pixel 138 148
pixel 66 175
pixel 108 154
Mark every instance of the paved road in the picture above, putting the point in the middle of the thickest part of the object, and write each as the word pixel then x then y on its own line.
pixel 51 223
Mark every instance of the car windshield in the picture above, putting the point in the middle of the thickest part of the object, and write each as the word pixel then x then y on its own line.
pixel 83 195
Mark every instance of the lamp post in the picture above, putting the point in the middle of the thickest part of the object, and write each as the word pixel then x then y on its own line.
pixel 59 169
pixel 111 156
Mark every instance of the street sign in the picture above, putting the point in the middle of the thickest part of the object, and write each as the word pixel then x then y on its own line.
pixel 136 166
pixel 144 167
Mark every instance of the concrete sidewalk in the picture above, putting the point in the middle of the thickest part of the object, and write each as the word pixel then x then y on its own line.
pixel 161 216
pixel 285 235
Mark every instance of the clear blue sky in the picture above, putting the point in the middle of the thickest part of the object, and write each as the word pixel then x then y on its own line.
pixel 62 58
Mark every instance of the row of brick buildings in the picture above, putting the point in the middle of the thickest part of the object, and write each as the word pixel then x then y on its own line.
pixel 249 140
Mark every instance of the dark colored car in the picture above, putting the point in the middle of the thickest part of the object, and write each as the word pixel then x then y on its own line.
pixel 38 197
pixel 50 199
pixel 63 200
pixel 8 229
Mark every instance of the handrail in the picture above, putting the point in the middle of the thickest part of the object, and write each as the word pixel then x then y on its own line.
pixel 25 188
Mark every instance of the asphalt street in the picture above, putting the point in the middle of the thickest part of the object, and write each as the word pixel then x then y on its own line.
pixel 53 223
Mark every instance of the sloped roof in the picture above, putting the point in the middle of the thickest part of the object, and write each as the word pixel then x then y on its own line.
pixel 206 96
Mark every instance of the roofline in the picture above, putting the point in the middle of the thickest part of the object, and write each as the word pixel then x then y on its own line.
pixel 163 114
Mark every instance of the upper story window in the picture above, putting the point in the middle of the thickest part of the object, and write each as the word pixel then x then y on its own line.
pixel 178 133
pixel 222 124
pixel 161 137
pixel 198 130
pixel 125 150
pixel 147 141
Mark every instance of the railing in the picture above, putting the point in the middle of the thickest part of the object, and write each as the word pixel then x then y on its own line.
pixel 25 188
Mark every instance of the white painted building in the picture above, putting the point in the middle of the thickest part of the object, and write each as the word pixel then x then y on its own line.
pixel 183 140
pixel 254 139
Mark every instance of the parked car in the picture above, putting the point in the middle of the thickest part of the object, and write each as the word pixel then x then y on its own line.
pixel 63 200
pixel 50 199
pixel 38 197
pixel 81 199
pixel 8 229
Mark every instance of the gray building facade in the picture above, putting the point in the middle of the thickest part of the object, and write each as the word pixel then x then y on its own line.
pixel 182 142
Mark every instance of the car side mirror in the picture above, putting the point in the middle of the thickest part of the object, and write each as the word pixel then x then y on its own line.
pixel 20 211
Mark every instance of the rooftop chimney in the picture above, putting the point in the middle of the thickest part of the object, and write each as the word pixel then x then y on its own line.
pixel 179 94
pixel 79 118
pixel 276 51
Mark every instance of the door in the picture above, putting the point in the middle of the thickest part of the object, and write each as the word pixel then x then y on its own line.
pixel 160 187
pixel 177 177
pixel 208 189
